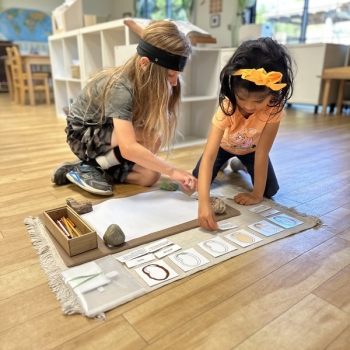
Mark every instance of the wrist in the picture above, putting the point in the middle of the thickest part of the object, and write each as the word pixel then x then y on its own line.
pixel 169 170
pixel 257 196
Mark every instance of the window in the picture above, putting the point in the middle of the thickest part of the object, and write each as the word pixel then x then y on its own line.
pixel 328 21
pixel 160 9
pixel 306 21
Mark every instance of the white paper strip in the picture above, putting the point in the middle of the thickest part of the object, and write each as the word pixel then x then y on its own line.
pixel 167 251
pixel 140 260
pixel 211 194
pixel 158 245
pixel 132 255
pixel 259 208
pixel 227 226
pixel 269 212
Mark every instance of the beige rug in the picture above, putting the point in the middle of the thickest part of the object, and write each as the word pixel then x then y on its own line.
pixel 53 265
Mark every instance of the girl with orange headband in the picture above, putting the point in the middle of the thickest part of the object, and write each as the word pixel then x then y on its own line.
pixel 125 115
pixel 256 83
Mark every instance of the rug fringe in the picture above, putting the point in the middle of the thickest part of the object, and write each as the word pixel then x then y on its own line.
pixel 48 263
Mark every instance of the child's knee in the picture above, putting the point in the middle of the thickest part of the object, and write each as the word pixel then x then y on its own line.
pixel 271 191
pixel 149 178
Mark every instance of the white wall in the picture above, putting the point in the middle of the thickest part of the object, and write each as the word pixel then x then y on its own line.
pixel 123 6
pixel 227 16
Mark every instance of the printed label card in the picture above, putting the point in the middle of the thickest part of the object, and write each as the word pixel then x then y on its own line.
pixel 285 220
pixel 259 208
pixel 158 245
pixel 243 238
pixel 167 251
pixel 211 194
pixel 265 228
pixel 270 212
pixel 132 255
pixel 216 246
pixel 227 226
pixel 156 272
pixel 138 261
pixel 189 259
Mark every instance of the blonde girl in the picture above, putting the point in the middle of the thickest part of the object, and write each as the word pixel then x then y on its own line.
pixel 125 115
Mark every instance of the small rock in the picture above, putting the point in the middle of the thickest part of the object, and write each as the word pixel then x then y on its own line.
pixel 169 186
pixel 218 205
pixel 114 235
pixel 79 207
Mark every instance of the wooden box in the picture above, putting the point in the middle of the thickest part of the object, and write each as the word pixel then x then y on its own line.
pixel 75 72
pixel 75 245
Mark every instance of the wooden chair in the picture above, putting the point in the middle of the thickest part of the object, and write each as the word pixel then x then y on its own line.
pixel 20 79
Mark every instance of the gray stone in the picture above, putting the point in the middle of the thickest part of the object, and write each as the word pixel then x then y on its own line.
pixel 114 235
pixel 218 205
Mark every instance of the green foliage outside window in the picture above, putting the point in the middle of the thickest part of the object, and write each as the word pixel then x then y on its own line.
pixel 160 9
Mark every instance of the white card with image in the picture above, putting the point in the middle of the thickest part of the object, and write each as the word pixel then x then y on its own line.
pixel 188 259
pixel 285 220
pixel 265 228
pixel 216 246
pixel 156 272
pixel 243 238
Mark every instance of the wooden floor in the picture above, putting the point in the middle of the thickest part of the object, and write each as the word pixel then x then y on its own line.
pixel 291 294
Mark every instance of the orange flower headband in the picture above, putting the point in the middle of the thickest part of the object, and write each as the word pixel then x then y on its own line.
pixel 260 77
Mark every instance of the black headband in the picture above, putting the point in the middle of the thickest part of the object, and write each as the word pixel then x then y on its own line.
pixel 161 57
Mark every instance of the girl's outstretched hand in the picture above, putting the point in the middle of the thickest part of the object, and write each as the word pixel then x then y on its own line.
pixel 247 199
pixel 206 217
pixel 188 181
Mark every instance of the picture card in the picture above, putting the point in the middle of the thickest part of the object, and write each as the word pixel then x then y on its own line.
pixel 216 246
pixel 243 238
pixel 188 259
pixel 285 220
pixel 265 228
pixel 167 251
pixel 269 212
pixel 156 272
pixel 259 208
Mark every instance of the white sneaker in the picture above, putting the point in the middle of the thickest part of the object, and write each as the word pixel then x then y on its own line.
pixel 237 165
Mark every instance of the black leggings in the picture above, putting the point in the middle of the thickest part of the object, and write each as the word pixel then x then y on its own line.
pixel 223 156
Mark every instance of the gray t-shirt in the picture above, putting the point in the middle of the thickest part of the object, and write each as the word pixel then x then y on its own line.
pixel 118 105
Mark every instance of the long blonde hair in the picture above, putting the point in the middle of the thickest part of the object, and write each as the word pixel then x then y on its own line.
pixel 155 104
